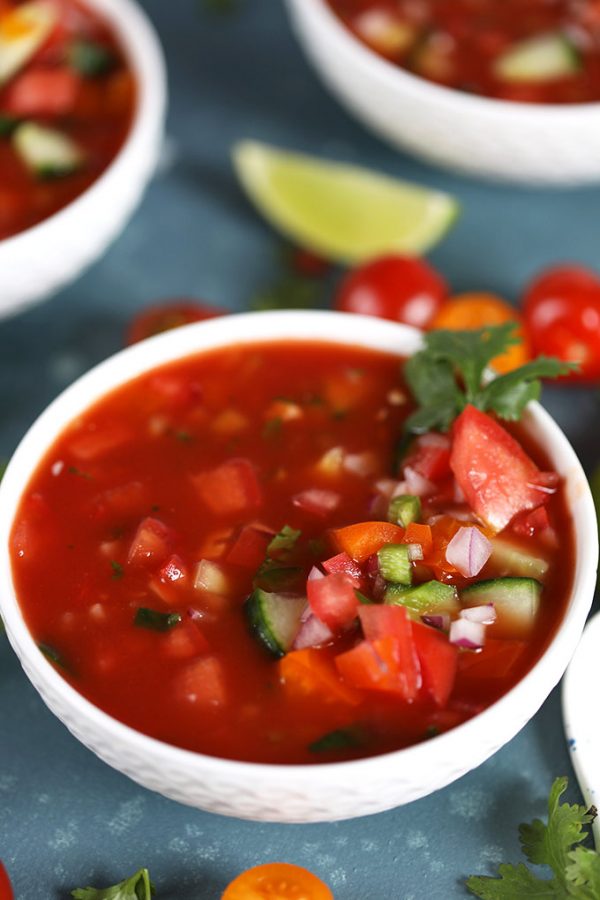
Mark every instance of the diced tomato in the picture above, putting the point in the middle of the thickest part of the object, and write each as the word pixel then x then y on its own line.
pixel 333 599
pixel 230 488
pixel 419 534
pixel 250 547
pixel 203 683
pixel 429 455
pixel 185 641
pixel 438 659
pixel 123 500
pixel 362 540
pixel 42 92
pixel 151 543
pixel 495 474
pixel 342 564
pixel 174 389
pixel 380 622
pixel 6 892
pixel 94 442
pixel 174 570
pixel 377 666
pixel 497 660
pixel 312 673
pixel 528 524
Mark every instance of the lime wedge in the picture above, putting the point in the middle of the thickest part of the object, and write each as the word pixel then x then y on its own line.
pixel 343 212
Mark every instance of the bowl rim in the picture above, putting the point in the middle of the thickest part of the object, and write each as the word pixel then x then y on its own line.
pixel 385 70
pixel 143 51
pixel 252 328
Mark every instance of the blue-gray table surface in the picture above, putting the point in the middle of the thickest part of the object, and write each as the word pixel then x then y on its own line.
pixel 66 819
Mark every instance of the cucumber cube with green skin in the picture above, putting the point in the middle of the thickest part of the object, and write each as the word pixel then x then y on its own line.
pixel 538 59
pixel 404 509
pixel 274 619
pixel 430 598
pixel 394 563
pixel 508 558
pixel 47 152
pixel 516 601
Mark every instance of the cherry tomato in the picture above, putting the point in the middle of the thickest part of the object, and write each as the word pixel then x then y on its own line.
pixel 562 316
pixel 399 288
pixel 475 310
pixel 170 314
pixel 277 880
pixel 5 886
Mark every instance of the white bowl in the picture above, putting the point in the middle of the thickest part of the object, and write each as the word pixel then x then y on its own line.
pixel 38 261
pixel 271 792
pixel 520 142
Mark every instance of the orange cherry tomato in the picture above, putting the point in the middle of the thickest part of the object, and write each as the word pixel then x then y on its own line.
pixel 277 881
pixel 466 312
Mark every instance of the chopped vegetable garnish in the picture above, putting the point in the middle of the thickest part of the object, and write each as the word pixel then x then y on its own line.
pixel 404 509
pixel 394 563
pixel 558 845
pixel 51 653
pixel 138 887
pixel 342 739
pixel 285 540
pixel 155 620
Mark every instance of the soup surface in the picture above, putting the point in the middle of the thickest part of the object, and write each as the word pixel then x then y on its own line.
pixel 229 554
pixel 67 97
pixel 525 50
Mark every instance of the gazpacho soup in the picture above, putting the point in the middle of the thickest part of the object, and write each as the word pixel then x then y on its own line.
pixel 527 50
pixel 67 97
pixel 236 554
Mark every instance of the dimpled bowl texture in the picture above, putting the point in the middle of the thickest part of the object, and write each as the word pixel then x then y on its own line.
pixel 502 140
pixel 269 792
pixel 38 261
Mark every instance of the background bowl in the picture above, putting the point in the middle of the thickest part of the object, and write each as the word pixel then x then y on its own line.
pixel 520 142
pixel 38 261
pixel 286 793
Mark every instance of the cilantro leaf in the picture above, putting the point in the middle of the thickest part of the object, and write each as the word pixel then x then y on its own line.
pixel 557 844
pixel 138 887
pixel 449 373
pixel 155 620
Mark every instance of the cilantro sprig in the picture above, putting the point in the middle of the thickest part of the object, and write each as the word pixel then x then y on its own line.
pixel 558 845
pixel 449 372
pixel 138 887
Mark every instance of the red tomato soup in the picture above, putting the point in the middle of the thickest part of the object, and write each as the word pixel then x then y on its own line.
pixel 67 96
pixel 232 554
pixel 527 50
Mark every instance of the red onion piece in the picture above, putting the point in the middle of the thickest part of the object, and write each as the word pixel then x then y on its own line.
pixel 468 551
pixel 315 572
pixel 434 439
pixel 416 484
pixel 362 464
pixel 312 633
pixel 466 634
pixel 484 614
pixel 441 621
pixel 317 501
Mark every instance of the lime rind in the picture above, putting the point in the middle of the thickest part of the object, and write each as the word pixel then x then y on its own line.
pixel 343 212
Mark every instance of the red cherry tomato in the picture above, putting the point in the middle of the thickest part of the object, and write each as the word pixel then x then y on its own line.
pixel 170 314
pixel 5 886
pixel 399 288
pixel 562 316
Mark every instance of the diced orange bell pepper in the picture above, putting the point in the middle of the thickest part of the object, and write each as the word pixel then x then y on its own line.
pixel 362 540
pixel 310 672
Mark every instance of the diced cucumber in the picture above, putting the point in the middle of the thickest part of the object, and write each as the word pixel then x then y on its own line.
pixel 47 152
pixel 90 58
pixel 432 597
pixel 274 619
pixel 516 601
pixel 404 509
pixel 394 563
pixel 508 558
pixel 22 32
pixel 540 58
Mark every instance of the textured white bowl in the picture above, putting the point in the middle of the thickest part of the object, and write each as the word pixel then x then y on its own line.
pixel 38 261
pixel 499 139
pixel 269 792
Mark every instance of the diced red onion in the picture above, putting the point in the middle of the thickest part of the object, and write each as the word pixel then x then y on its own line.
pixel 314 573
pixel 484 614
pixel 362 464
pixel 459 496
pixel 441 621
pixel 434 439
pixel 195 614
pixel 386 486
pixel 317 501
pixel 468 551
pixel 415 552
pixel 466 634
pixel 312 633
pixel 546 482
pixel 416 484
